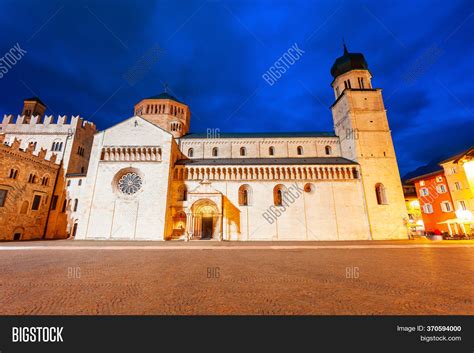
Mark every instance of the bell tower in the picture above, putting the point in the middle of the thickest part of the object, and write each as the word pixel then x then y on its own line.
pixel 360 121
pixel 165 111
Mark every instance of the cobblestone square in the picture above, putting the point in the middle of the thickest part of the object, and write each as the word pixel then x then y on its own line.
pixel 206 277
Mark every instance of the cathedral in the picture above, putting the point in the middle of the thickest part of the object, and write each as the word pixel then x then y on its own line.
pixel 149 178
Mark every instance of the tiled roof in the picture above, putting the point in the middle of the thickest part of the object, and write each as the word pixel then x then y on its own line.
pixel 165 95
pixel 259 135
pixel 264 161
pixel 34 99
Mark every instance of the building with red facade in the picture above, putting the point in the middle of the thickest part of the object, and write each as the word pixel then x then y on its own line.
pixel 435 200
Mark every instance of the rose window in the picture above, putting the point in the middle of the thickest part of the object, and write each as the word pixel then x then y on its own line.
pixel 130 183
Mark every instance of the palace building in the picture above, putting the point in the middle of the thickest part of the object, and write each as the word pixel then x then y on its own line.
pixel 26 185
pixel 69 140
pixel 149 178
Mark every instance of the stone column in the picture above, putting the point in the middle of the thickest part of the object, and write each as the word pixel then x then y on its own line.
pixel 219 227
pixel 189 220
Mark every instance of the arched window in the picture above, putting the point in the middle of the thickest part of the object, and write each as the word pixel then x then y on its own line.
pixel 327 149
pixel 381 194
pixel 190 152
pixel 76 201
pixel 243 151
pixel 214 152
pixel 278 193
pixel 244 195
pixel 182 193
pixel 13 173
pixel 299 150
pixel 271 151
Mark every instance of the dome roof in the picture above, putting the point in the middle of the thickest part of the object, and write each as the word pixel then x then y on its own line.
pixel 165 95
pixel 348 62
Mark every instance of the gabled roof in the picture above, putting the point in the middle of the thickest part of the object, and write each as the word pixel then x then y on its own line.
pixel 259 135
pixel 134 117
pixel 425 175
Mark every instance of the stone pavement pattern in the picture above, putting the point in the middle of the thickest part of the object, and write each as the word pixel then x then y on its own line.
pixel 274 282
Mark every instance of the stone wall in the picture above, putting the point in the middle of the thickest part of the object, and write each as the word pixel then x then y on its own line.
pixel 25 176
pixel 106 212
pixel 259 147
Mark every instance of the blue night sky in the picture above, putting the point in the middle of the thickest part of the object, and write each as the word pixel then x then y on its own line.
pixel 212 55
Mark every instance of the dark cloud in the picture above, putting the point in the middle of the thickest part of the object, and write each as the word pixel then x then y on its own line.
pixel 213 54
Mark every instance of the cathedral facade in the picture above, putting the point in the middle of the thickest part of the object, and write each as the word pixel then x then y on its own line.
pixel 148 178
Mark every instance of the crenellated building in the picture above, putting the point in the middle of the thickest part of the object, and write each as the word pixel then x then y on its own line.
pixel 27 181
pixel 69 139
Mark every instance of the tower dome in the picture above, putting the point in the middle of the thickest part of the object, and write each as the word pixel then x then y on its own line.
pixel 166 111
pixel 165 95
pixel 348 62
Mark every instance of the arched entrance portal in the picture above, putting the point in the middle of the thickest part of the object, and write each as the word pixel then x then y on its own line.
pixel 206 220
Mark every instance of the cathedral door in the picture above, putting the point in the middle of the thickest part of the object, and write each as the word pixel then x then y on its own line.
pixel 206 228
